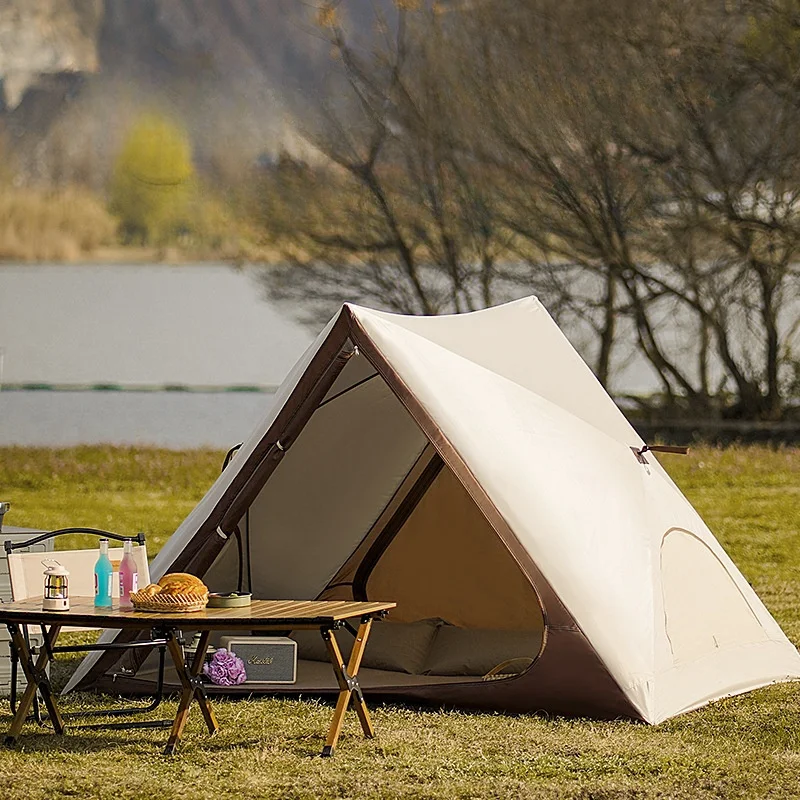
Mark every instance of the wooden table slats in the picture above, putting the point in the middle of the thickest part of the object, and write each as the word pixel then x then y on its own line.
pixel 83 612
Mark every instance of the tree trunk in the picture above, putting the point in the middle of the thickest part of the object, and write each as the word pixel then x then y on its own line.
pixel 608 332
pixel 772 409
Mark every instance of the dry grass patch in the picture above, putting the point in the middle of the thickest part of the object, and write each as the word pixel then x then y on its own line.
pixel 38 225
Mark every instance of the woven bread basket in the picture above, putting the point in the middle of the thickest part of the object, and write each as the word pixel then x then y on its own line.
pixel 170 603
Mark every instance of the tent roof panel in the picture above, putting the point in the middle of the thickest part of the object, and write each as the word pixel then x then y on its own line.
pixel 521 342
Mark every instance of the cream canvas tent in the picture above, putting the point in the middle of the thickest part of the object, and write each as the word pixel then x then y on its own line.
pixel 472 469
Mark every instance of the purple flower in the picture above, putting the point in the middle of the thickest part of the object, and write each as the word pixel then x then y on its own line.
pixel 225 669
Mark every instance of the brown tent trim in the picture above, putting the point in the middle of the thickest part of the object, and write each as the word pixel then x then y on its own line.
pixel 576 684
pixel 260 474
pixel 321 373
pixel 565 691
pixel 204 547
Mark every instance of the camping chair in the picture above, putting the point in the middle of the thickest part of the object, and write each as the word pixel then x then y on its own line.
pixel 25 573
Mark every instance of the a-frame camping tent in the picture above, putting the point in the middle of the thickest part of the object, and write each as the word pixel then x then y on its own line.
pixel 472 469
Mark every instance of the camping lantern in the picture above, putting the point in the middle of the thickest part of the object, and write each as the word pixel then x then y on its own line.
pixel 56 587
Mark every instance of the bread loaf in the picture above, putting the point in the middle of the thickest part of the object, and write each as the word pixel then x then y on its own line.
pixel 182 583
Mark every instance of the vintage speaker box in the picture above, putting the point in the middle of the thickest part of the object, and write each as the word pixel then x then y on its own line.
pixel 267 659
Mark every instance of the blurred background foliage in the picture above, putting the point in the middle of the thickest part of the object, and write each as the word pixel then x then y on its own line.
pixel 635 165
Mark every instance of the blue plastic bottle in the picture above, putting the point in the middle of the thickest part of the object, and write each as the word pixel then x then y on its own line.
pixel 103 577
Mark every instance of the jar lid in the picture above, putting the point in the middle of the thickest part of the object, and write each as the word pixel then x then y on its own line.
pixel 53 567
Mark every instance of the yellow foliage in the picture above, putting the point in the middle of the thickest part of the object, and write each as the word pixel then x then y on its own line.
pixel 773 38
pixel 152 181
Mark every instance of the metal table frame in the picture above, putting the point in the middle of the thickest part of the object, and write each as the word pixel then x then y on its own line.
pixel 262 616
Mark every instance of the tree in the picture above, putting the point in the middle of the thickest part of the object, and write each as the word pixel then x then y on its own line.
pixel 729 162
pixel 398 213
pixel 629 163
pixel 152 179
pixel 666 177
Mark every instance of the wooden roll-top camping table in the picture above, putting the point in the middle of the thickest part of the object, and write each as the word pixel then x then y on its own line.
pixel 261 616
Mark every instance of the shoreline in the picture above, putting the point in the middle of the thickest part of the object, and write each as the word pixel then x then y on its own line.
pixel 121 255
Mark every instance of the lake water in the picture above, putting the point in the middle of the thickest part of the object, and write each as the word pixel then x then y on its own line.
pixel 197 325
pixel 168 419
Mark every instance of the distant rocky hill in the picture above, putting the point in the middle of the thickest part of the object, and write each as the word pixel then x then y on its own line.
pixel 74 73
pixel 41 38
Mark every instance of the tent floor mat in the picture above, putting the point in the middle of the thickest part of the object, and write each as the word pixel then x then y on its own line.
pixel 315 677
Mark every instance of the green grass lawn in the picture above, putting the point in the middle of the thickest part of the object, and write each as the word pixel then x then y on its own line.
pixel 745 747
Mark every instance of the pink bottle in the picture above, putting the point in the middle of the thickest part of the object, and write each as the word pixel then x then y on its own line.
pixel 128 576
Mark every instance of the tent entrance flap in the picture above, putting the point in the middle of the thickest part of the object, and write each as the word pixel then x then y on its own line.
pixel 396 522
pixel 326 492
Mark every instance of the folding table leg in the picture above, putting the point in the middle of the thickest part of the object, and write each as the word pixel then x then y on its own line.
pixel 352 668
pixel 347 678
pixel 199 690
pixel 192 689
pixel 37 679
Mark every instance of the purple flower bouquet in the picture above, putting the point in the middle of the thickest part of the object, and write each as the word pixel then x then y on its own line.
pixel 225 668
